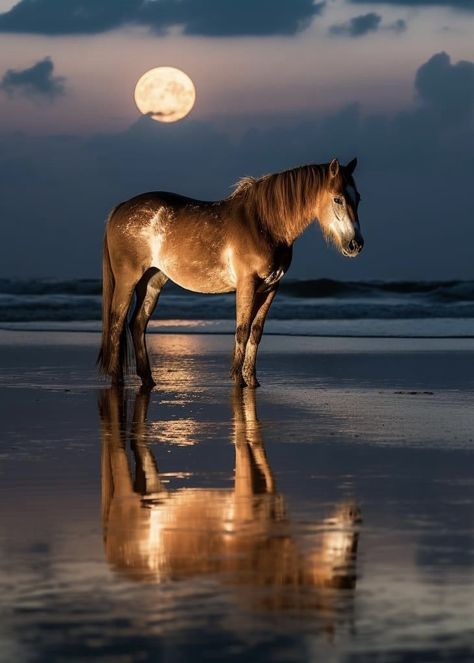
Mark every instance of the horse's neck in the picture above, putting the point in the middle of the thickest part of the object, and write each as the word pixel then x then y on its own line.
pixel 300 228
pixel 281 214
pixel 289 231
pixel 297 220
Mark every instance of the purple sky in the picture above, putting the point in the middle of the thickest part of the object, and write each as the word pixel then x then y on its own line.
pixel 296 84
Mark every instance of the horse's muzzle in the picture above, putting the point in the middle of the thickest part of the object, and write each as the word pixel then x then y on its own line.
pixel 354 247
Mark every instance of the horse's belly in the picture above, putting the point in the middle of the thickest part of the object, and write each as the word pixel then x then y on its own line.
pixel 197 276
pixel 205 283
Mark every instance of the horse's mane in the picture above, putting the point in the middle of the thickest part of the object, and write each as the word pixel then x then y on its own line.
pixel 284 202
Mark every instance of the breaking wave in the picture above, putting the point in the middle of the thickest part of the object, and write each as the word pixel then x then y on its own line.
pixel 318 299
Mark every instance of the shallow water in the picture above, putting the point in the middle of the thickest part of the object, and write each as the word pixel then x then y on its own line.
pixel 326 517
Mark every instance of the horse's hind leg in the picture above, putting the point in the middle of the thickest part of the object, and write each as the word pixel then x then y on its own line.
pixel 147 291
pixel 147 477
pixel 262 304
pixel 121 298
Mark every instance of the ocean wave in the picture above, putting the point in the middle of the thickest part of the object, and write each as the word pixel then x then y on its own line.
pixel 50 287
pixel 311 288
pixel 322 288
pixel 321 299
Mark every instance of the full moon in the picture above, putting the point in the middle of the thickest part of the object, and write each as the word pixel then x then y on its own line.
pixel 165 94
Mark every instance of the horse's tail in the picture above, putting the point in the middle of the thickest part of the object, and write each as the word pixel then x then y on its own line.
pixel 111 363
pixel 108 284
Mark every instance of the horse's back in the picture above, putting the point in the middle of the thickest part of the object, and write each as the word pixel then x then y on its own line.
pixel 150 213
pixel 158 211
pixel 162 198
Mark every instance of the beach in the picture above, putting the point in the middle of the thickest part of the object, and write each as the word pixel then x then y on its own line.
pixel 325 516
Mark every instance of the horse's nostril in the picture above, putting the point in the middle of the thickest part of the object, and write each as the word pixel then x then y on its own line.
pixel 356 245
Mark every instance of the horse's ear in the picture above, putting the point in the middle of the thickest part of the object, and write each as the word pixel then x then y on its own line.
pixel 351 166
pixel 334 167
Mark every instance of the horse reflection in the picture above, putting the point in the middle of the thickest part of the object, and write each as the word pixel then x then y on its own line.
pixel 242 535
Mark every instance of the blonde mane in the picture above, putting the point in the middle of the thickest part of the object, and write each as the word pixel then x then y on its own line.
pixel 283 202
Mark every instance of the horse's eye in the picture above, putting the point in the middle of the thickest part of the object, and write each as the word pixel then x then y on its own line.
pixel 338 201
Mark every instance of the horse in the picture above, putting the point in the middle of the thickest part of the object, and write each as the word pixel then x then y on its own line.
pixel 242 244
pixel 242 535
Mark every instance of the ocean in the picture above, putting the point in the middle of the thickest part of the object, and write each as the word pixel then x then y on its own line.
pixel 320 307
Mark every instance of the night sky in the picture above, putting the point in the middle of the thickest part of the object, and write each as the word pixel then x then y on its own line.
pixel 279 83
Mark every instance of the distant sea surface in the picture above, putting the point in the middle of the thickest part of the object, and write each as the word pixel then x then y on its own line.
pixel 314 307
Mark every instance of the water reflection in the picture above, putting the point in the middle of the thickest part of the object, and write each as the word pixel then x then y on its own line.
pixel 241 536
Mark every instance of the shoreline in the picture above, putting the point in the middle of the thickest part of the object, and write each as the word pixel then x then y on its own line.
pixel 222 342
pixel 403 328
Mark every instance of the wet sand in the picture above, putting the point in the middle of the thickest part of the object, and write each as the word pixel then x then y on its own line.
pixel 328 516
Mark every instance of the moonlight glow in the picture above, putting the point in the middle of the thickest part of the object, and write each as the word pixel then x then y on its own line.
pixel 165 94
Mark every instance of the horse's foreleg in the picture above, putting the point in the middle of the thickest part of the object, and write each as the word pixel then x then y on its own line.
pixel 148 290
pixel 262 305
pixel 244 299
pixel 263 475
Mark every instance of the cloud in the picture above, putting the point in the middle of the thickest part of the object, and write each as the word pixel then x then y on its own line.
pixel 36 81
pixel 362 25
pixel 357 26
pixel 447 89
pixel 454 4
pixel 397 26
pixel 197 17
pixel 231 18
pixel 415 177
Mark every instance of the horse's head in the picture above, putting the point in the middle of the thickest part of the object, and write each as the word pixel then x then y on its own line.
pixel 337 209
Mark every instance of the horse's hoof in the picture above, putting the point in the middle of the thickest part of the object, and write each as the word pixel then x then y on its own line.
pixel 237 379
pixel 148 383
pixel 252 382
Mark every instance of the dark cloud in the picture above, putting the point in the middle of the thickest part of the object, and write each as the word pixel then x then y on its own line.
pixel 362 25
pixel 198 17
pixel 446 88
pixel 454 4
pixel 357 26
pixel 245 17
pixel 67 17
pixel 37 81
pixel 415 177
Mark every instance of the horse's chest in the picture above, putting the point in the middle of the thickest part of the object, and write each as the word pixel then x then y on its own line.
pixel 275 269
pixel 272 278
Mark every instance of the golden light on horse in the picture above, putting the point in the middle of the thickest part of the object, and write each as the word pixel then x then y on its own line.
pixel 242 244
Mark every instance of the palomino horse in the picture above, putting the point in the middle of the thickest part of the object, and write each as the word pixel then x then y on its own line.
pixel 243 243
pixel 240 536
